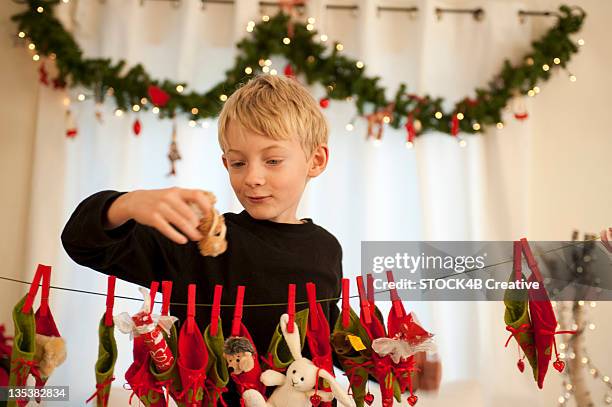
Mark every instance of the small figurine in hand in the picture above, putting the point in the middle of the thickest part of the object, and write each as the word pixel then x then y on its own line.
pixel 213 228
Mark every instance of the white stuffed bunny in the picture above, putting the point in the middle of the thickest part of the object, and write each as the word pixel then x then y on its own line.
pixel 296 387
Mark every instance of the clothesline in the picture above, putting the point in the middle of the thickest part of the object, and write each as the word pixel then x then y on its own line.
pixel 332 299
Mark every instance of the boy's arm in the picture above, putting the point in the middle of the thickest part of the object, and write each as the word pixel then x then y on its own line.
pixel 131 251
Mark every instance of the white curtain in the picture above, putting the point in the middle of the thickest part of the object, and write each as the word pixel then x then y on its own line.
pixel 436 191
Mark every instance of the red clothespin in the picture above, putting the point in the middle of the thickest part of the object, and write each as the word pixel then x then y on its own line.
pixel 166 294
pixel 238 311
pixel 363 301
pixel 191 308
pixel 153 293
pixel 110 300
pixel 370 290
pixel 216 310
pixel 531 262
pixel 517 260
pixel 46 286
pixel 291 307
pixel 40 271
pixel 395 299
pixel 311 291
pixel 346 307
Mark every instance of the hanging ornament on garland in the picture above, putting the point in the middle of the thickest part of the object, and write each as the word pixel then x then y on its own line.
pixel 137 127
pixel 377 120
pixel 71 129
pixel 518 108
pixel 173 154
pixel 158 96
pixel 288 7
pixel 289 71
pixel 324 103
pixel 43 75
pixel 410 130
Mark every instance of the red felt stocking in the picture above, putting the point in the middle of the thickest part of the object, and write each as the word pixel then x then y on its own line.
pixel 543 319
pixel 381 367
pixel 193 356
pixel 318 335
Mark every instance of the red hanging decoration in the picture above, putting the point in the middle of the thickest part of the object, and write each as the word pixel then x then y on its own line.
pixel 455 125
pixel 43 75
pixel 412 400
pixel 289 71
pixel 137 127
pixel 59 83
pixel 324 102
pixel 71 129
pixel 410 129
pixel 521 365
pixel 369 399
pixel 158 96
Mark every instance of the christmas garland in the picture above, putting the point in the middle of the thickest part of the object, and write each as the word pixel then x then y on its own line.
pixel 307 55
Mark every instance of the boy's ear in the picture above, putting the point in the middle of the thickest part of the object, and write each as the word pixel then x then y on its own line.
pixel 319 159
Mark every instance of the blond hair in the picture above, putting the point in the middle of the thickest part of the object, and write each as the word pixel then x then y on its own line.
pixel 276 107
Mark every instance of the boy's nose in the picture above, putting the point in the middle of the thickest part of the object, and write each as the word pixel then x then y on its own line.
pixel 254 177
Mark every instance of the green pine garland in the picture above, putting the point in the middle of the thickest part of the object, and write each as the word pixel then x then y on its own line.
pixel 342 77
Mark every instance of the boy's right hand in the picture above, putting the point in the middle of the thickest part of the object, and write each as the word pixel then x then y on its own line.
pixel 162 209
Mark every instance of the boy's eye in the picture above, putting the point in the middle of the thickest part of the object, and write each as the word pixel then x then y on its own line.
pixel 237 164
pixel 274 162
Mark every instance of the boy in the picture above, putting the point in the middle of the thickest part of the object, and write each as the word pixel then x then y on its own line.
pixel 274 140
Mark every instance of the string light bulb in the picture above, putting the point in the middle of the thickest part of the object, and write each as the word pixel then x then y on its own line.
pixel 118 112
pixel 194 110
pixel 309 27
pixel 266 69
pixel 581 42
pixel 531 93
pixel 500 125
pixel 545 67
pixel 143 101
pixel 265 18
pixel 476 126
pixel 386 119
pixel 40 9
pixel 349 127
pixel 21 34
pixel 192 123
pixel 339 47
pixel 323 37
pixel 155 110
pixel 460 116
pixel 268 62
pixel 536 89
pixel 35 57
pixel 462 143
pixel 248 70
pixel 409 145
pixel 66 102
pixel 80 97
pixel 311 20
pixel 31 46
pixel 359 64
pixel 438 115
pixel 205 124
pixel 286 40
pixel 557 61
pixel 223 97
pixel 180 88
pixel 273 72
pixel 572 78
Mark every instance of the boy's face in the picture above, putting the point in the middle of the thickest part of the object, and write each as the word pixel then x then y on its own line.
pixel 269 176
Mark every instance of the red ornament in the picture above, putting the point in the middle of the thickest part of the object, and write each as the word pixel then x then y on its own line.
pixel 521 116
pixel 71 133
pixel 412 400
pixel 521 365
pixel 43 76
pixel 559 365
pixel 324 102
pixel 455 125
pixel 289 71
pixel 315 400
pixel 59 83
pixel 158 96
pixel 369 399
pixel 137 127
pixel 410 129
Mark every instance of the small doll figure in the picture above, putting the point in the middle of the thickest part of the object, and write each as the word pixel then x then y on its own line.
pixel 238 353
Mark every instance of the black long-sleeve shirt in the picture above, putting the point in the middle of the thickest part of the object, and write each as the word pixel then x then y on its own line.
pixel 262 255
